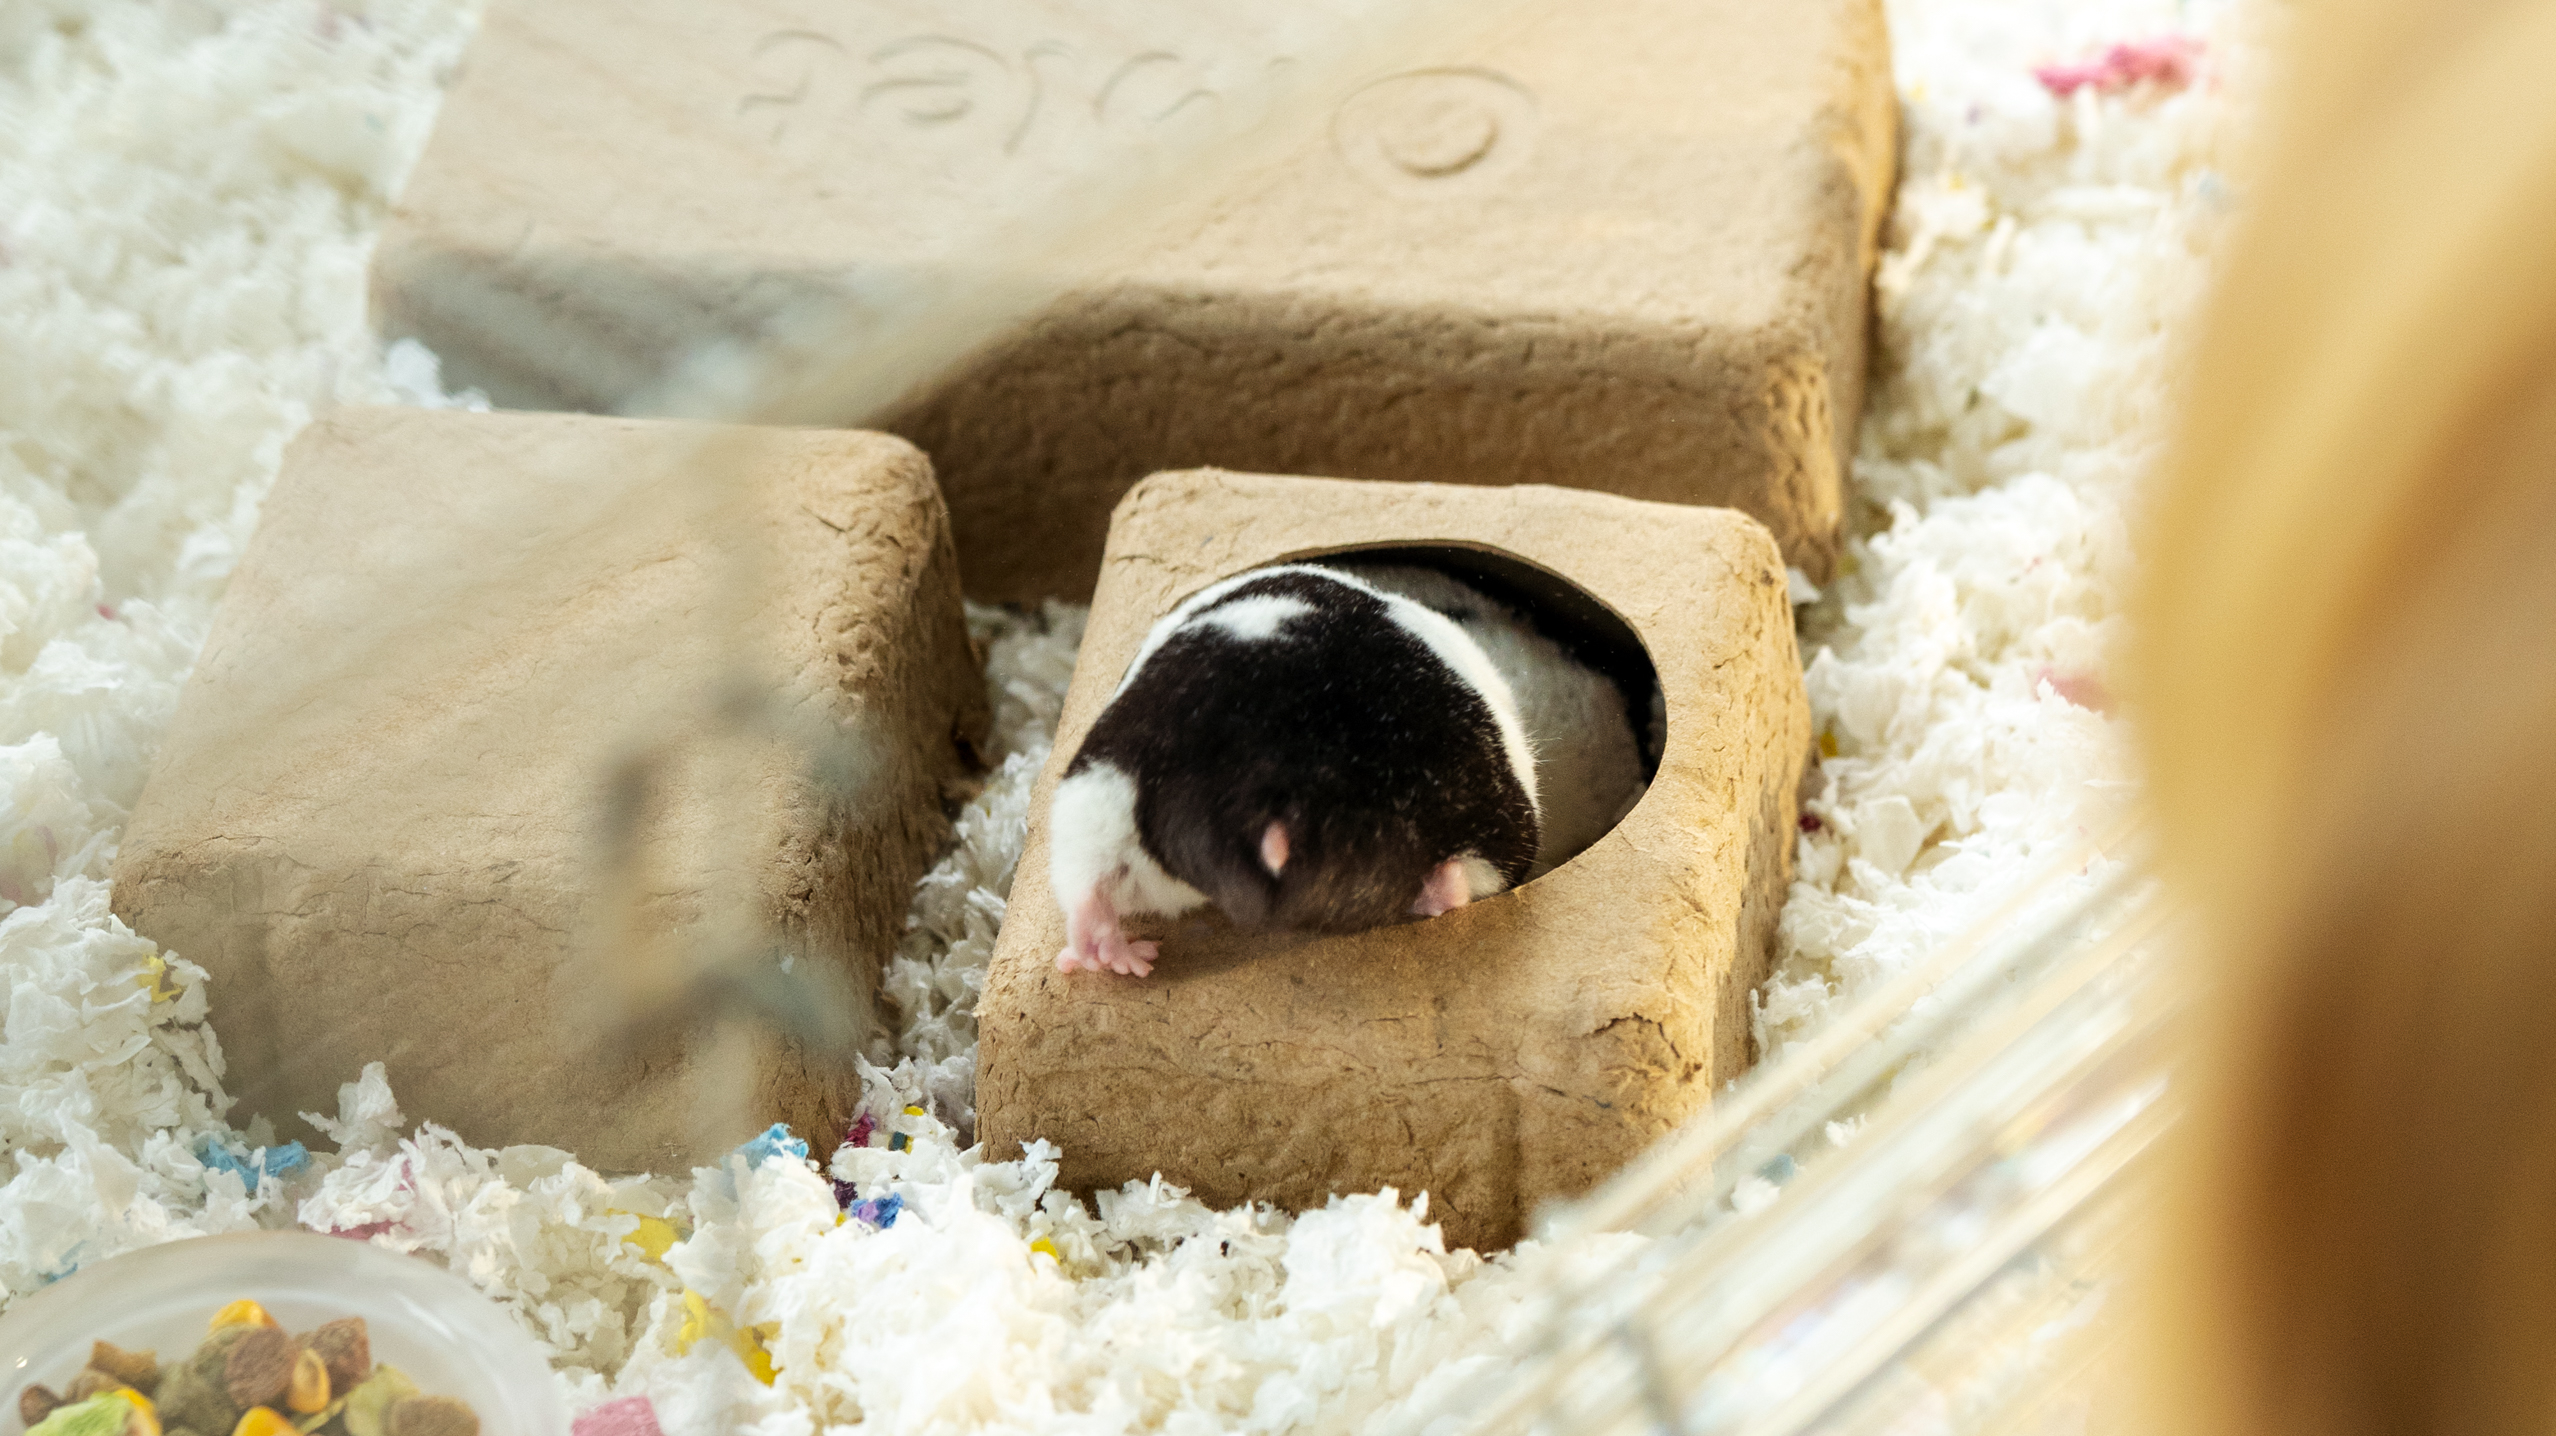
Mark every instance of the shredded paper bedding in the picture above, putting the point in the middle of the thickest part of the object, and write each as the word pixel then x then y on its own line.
pixel 188 191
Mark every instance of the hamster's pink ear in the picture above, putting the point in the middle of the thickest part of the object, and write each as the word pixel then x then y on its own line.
pixel 1273 848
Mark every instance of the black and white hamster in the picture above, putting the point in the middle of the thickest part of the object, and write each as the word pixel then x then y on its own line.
pixel 1331 747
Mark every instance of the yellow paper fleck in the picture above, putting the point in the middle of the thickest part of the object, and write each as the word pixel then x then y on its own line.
pixel 702 1321
pixel 153 978
pixel 654 1237
pixel 751 1349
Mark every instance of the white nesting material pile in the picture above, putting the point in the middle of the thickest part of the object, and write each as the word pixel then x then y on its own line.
pixel 187 189
pixel 2042 253
pixel 187 196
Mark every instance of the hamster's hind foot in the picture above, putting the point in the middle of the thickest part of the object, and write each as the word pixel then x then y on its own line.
pixel 1126 958
pixel 1095 942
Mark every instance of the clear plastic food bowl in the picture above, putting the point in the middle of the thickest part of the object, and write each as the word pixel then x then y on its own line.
pixel 422 1319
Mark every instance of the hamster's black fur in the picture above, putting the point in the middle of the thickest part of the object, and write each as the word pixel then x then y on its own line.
pixel 1302 749
pixel 1379 758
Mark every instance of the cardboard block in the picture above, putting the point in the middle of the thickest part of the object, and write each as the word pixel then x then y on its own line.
pixel 1625 251
pixel 1519 1048
pixel 457 646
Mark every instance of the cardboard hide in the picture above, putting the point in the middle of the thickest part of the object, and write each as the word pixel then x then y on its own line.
pixel 1514 1050
pixel 514 731
pixel 1626 251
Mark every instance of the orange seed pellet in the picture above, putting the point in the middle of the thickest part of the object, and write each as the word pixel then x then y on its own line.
pixel 264 1421
pixel 242 1313
pixel 145 1420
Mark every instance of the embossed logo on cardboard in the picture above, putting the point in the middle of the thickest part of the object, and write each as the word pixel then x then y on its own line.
pixel 956 95
pixel 1436 133
pixel 1428 133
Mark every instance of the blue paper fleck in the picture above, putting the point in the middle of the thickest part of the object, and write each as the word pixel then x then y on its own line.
pixel 70 1264
pixel 277 1162
pixel 879 1212
pixel 776 1141
pixel 1779 1169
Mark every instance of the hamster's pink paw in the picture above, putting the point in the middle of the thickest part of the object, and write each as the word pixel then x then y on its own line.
pixel 1444 890
pixel 1094 941
pixel 1135 959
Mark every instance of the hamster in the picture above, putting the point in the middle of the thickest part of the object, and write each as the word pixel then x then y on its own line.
pixel 1330 748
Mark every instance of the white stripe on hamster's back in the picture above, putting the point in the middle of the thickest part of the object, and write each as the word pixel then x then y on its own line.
pixel 1206 598
pixel 1456 649
pixel 1256 619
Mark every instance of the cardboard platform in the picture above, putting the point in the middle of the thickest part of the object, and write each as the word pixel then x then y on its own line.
pixel 1627 252
pixel 467 654
pixel 1518 1049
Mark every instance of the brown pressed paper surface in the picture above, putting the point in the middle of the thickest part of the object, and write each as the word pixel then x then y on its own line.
pixel 1515 1050
pixel 1623 248
pixel 377 818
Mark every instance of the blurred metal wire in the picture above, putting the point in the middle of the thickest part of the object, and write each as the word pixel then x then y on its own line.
pixel 728 975
pixel 891 341
pixel 1912 1222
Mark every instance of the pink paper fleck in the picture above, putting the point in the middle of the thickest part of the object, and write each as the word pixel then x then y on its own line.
pixel 629 1416
pixel 2170 60
pixel 2086 690
pixel 364 1233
